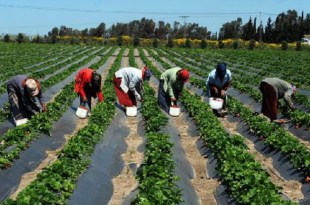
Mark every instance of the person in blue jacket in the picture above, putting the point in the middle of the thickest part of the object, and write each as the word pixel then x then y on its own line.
pixel 22 92
pixel 218 81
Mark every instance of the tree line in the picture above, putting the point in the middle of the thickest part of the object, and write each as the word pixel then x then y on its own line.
pixel 287 27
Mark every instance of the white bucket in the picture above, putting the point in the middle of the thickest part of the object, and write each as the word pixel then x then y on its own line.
pixel 81 112
pixel 216 103
pixel 131 111
pixel 174 111
pixel 20 122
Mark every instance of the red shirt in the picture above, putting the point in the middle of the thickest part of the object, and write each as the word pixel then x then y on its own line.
pixel 83 78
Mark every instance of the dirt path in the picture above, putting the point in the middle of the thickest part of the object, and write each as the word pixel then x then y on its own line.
pixel 203 185
pixel 125 182
pixel 291 189
pixel 27 178
pixel 132 156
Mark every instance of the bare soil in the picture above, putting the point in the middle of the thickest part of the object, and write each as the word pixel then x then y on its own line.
pixel 52 156
pixel 203 185
pixel 291 188
pixel 125 181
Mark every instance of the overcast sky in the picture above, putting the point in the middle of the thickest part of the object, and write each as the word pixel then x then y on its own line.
pixel 33 17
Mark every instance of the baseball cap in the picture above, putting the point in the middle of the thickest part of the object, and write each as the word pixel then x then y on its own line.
pixel 146 74
pixel 32 87
pixel 184 74
pixel 221 69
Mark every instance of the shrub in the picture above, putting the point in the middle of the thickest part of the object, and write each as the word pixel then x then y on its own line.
pixel 298 46
pixel 170 42
pixel 136 41
pixel 284 45
pixel 203 44
pixel 251 44
pixel 235 45
pixel 155 43
pixel 221 44
pixel 119 41
pixel 188 43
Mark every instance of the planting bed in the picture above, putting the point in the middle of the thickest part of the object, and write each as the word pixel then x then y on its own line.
pixel 153 158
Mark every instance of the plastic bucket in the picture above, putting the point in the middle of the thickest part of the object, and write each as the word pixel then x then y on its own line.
pixel 20 122
pixel 131 111
pixel 216 103
pixel 81 112
pixel 174 111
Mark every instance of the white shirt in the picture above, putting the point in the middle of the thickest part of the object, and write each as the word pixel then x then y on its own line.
pixel 131 79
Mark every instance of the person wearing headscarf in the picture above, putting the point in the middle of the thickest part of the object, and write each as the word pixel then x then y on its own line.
pixel 88 85
pixel 22 92
pixel 218 81
pixel 128 84
pixel 171 86
pixel 272 90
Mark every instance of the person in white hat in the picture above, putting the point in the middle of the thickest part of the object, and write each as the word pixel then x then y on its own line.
pixel 22 92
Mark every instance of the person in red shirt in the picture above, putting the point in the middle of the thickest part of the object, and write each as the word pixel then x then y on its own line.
pixel 88 85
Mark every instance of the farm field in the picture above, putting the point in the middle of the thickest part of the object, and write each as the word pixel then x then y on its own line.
pixel 196 158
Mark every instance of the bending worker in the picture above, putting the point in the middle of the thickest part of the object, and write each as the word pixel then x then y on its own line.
pixel 272 90
pixel 171 86
pixel 128 84
pixel 88 85
pixel 22 92
pixel 218 81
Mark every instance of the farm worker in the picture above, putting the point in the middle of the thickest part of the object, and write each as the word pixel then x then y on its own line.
pixel 88 85
pixel 22 92
pixel 128 83
pixel 272 90
pixel 218 81
pixel 171 86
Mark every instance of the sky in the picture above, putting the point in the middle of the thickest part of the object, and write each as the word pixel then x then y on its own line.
pixel 38 17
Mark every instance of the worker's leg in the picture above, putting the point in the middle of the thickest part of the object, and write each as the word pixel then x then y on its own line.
pixel 16 107
pixel 270 101
pixel 163 98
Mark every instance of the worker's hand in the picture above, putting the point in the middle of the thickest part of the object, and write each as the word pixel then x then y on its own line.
pixel 44 107
pixel 84 99
pixel 223 93
pixel 138 97
pixel 215 90
pixel 173 101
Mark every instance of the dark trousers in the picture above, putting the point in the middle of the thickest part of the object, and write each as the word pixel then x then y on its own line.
pixel 18 110
pixel 270 101
pixel 89 94
pixel 164 100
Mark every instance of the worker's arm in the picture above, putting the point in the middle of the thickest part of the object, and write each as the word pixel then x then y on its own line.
pixel 288 98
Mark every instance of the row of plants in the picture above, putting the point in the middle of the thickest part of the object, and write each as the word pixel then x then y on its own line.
pixel 298 117
pixel 30 60
pixel 157 184
pixel 56 78
pixel 40 123
pixel 290 145
pixel 274 136
pixel 56 183
pixel 238 169
pixel 246 180
pixel 33 72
